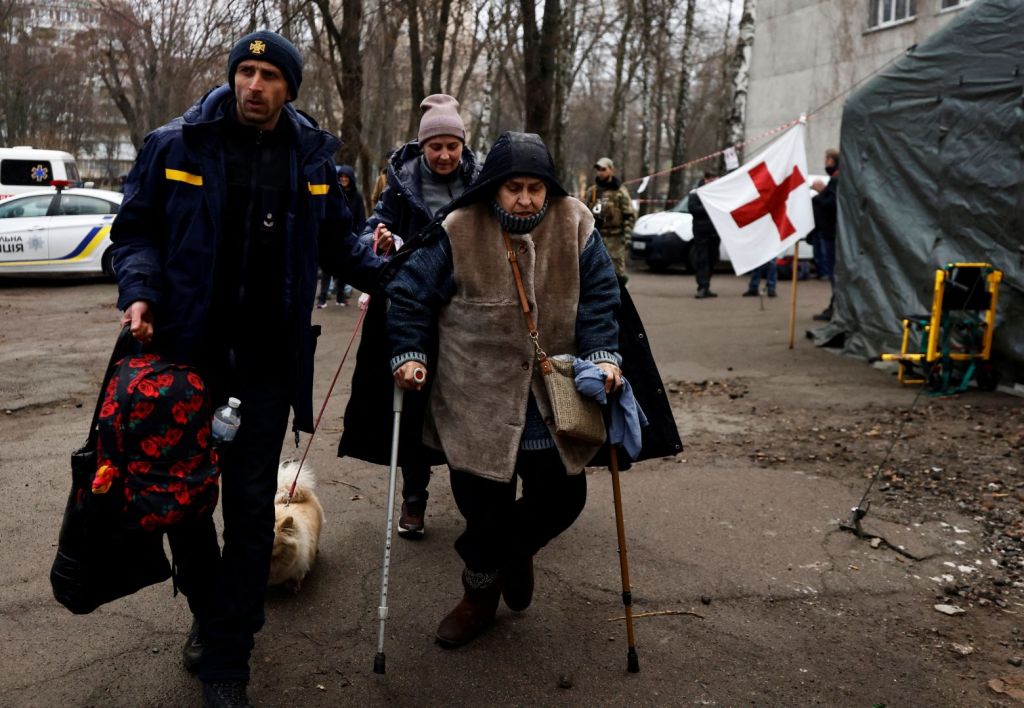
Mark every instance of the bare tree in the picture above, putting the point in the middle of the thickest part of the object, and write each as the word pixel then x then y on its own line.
pixel 615 116
pixel 440 35
pixel 154 58
pixel 741 75
pixel 675 182
pixel 540 48
pixel 345 41
pixel 416 91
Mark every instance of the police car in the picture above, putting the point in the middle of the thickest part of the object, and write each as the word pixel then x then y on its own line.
pixel 57 231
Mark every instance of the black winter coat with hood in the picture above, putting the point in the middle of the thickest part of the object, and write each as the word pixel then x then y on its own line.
pixel 369 415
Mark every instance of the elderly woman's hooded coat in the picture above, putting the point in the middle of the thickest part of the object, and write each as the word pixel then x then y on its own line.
pixel 455 281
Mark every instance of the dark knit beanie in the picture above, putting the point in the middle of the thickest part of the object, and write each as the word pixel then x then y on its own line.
pixel 271 47
pixel 440 117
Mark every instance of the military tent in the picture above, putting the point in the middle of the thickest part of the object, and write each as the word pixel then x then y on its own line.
pixel 932 171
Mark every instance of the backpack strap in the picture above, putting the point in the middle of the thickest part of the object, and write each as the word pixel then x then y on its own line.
pixel 122 347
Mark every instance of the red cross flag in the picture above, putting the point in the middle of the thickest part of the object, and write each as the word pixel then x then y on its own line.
pixel 764 207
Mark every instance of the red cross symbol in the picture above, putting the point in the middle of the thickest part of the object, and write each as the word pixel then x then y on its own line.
pixel 771 199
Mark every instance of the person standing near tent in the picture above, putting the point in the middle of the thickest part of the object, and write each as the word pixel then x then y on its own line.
pixel 826 208
pixel 705 244
pixel 424 176
pixel 495 426
pixel 613 211
pixel 226 212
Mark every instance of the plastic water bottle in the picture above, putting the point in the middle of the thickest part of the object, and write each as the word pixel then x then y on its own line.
pixel 226 421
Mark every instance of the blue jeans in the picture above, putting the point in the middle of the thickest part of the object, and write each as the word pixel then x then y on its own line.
pixel 826 258
pixel 769 271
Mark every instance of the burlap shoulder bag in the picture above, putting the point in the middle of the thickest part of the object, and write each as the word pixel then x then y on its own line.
pixel 576 416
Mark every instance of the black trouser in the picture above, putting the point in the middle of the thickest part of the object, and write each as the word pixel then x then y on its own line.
pixel 499 527
pixel 703 256
pixel 415 478
pixel 225 592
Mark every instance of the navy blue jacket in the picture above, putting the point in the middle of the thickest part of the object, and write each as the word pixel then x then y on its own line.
pixel 170 225
pixel 353 199
pixel 401 207
pixel 825 205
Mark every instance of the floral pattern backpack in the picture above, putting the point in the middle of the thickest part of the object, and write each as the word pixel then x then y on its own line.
pixel 154 446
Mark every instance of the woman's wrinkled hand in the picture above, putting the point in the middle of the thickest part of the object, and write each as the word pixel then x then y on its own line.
pixel 411 375
pixel 612 377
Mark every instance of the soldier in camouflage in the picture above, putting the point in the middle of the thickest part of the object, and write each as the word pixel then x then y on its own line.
pixel 613 210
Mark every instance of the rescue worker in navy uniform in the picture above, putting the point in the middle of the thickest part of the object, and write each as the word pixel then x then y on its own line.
pixel 216 245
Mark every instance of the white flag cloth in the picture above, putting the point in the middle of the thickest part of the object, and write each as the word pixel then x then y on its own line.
pixel 765 206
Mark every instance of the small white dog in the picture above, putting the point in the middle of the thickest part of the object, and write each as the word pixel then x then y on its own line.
pixel 296 527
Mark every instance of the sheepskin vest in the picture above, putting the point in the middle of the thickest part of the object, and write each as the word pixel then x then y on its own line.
pixel 486 365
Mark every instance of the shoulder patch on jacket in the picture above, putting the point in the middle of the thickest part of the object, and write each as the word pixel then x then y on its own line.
pixel 318 189
pixel 182 176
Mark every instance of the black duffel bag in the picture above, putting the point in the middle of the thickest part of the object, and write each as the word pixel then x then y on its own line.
pixel 99 559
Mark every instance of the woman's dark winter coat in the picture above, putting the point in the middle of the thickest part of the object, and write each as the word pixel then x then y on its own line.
pixel 401 207
pixel 369 415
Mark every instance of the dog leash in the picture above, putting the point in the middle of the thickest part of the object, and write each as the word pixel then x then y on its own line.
pixel 330 390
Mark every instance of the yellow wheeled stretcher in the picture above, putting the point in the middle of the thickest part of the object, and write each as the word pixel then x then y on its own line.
pixel 951 346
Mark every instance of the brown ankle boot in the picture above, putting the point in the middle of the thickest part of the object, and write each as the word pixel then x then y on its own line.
pixel 475 610
pixel 517 585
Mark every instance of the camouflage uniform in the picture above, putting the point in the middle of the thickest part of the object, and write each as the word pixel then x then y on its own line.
pixel 613 210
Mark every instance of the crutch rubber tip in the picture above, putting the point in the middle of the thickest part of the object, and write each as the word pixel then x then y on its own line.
pixel 632 661
pixel 378 663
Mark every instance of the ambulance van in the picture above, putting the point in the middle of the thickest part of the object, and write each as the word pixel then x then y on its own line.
pixel 24 168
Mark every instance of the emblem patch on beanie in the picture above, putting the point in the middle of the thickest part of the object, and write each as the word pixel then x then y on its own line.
pixel 258 47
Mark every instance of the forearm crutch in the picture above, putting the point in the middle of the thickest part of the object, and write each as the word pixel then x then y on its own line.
pixel 632 661
pixel 382 610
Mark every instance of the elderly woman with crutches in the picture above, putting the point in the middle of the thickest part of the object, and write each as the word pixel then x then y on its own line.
pixel 489 413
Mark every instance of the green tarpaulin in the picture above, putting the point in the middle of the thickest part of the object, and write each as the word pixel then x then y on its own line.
pixel 933 172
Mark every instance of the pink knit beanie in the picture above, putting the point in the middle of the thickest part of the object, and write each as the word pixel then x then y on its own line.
pixel 440 117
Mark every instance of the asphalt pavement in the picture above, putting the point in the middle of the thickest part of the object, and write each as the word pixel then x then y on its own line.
pixel 745 589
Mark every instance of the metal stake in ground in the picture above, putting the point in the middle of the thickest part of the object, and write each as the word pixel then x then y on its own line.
pixel 632 661
pixel 382 610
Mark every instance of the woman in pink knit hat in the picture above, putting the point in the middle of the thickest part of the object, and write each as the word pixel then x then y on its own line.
pixel 424 176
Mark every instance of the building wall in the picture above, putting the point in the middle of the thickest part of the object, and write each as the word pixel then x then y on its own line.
pixel 808 54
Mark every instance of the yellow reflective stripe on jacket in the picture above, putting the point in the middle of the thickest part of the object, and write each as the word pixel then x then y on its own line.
pixel 317 189
pixel 181 176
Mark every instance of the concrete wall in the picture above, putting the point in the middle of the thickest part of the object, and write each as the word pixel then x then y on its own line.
pixel 809 52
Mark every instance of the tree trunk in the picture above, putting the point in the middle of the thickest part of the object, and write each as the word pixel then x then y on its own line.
pixel 726 55
pixel 618 93
pixel 482 138
pixel 741 76
pixel 540 47
pixel 416 92
pixel 349 43
pixel 439 41
pixel 676 179
pixel 563 87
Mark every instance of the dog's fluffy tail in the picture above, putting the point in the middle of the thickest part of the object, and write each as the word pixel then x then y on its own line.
pixel 285 476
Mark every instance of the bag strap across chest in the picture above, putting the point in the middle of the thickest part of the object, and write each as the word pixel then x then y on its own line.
pixel 524 304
